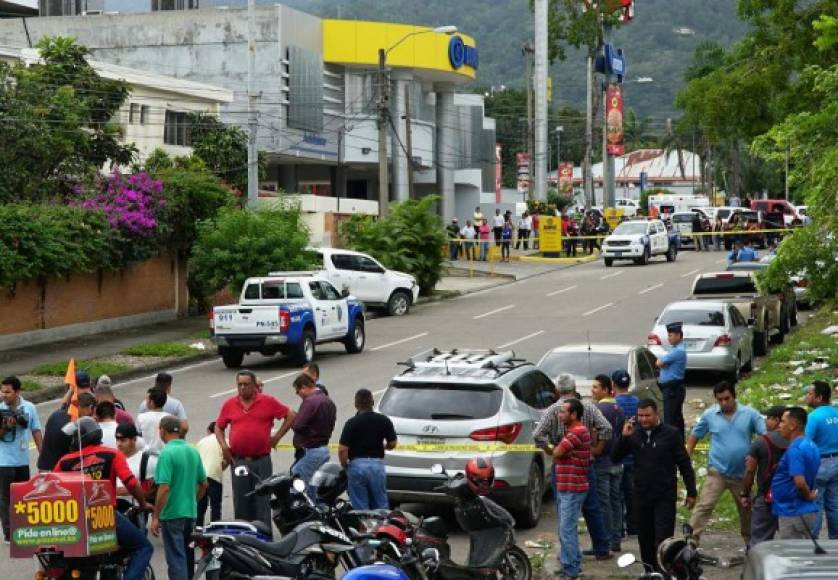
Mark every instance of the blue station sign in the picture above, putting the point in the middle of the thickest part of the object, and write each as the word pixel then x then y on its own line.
pixel 461 55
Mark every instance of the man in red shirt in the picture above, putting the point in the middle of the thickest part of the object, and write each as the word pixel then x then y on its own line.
pixel 99 462
pixel 251 415
pixel 571 458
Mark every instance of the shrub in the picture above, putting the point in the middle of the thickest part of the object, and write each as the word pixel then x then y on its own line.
pixel 238 244
pixel 410 239
pixel 93 367
pixel 162 349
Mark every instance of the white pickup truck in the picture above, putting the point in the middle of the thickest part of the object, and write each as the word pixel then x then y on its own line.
pixel 369 281
pixel 639 240
pixel 289 313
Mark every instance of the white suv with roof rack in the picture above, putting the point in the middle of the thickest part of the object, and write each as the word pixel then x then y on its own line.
pixel 469 397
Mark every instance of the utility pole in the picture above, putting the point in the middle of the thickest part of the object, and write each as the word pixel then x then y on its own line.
pixel 527 51
pixel 252 122
pixel 408 143
pixel 383 113
pixel 608 170
pixel 588 177
pixel 787 173
pixel 540 174
pixel 559 130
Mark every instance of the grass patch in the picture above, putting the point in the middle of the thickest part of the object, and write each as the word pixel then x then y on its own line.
pixel 30 385
pixel 200 334
pixel 93 367
pixel 161 349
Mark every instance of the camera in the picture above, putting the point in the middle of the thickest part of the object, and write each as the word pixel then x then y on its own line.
pixel 10 419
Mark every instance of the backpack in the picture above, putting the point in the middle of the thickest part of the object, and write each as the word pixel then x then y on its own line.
pixel 148 486
pixel 771 467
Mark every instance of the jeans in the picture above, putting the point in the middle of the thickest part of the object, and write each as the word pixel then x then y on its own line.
pixel 826 482
pixel 568 506
pixel 627 487
pixel 308 464
pixel 8 476
pixel 367 485
pixel 608 489
pixel 211 499
pixel 132 540
pixel 504 249
pixel 453 250
pixel 484 250
pixel 592 512
pixel 180 558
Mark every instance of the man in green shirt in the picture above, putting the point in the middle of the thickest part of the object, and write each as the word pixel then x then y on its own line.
pixel 182 482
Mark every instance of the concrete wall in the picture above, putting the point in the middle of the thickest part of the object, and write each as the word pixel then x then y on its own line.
pixel 58 308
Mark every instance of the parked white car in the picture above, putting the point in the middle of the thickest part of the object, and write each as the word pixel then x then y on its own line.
pixel 630 207
pixel 638 240
pixel 369 281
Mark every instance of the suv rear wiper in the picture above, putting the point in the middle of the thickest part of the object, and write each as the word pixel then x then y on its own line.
pixel 450 416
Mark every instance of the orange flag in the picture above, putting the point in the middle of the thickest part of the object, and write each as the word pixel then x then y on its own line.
pixel 70 379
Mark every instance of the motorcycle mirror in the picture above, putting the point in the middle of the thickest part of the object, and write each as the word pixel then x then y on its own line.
pixel 299 485
pixel 241 471
pixel 437 469
pixel 626 560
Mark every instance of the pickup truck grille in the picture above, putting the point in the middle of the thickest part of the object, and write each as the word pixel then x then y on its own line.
pixel 614 243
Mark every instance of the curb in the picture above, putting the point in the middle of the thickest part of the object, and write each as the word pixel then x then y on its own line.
pixel 56 392
pixel 571 261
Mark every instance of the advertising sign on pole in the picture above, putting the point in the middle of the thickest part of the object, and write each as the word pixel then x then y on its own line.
pixel 550 235
pixel 566 179
pixel 523 161
pixel 68 512
pixel 614 119
pixel 498 172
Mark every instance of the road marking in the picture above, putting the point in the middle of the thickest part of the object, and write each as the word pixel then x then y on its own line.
pixel 595 310
pixel 379 391
pixel 690 273
pixel 614 275
pixel 650 288
pixel 562 291
pixel 283 376
pixel 495 311
pixel 522 339
pixel 394 343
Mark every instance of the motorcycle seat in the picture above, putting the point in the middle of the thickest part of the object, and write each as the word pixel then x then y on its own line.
pixel 263 528
pixel 281 549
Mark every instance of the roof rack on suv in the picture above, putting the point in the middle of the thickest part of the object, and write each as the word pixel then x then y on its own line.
pixel 465 358
pixel 299 274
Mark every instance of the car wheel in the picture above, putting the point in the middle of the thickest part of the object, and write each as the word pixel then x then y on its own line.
pixel 646 256
pixel 305 352
pixel 356 342
pixel 608 262
pixel 399 303
pixel 232 358
pixel 794 315
pixel 528 511
pixel 749 366
pixel 785 323
pixel 760 343
pixel 779 337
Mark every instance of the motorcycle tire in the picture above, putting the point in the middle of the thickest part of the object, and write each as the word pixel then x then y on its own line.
pixel 516 565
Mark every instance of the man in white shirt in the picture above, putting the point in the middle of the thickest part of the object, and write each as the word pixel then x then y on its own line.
pixel 142 464
pixel 497 226
pixel 173 406
pixel 468 233
pixel 106 417
pixel 214 464
pixel 149 422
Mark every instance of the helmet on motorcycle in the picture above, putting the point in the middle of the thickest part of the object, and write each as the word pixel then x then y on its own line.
pixel 677 557
pixel 480 475
pixel 85 431
pixel 330 481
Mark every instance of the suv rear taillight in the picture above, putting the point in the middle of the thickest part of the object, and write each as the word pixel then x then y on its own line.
pixel 284 320
pixel 503 433
pixel 723 340
pixel 653 339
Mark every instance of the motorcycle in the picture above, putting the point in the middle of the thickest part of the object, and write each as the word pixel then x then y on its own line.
pixel 679 558
pixel 107 566
pixel 310 549
pixel 492 549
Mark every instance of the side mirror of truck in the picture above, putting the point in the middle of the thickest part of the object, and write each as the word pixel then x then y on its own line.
pixel 344 293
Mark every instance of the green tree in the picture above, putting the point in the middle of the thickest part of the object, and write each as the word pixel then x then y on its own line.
pixel 240 243
pixel 410 239
pixel 223 148
pixel 57 124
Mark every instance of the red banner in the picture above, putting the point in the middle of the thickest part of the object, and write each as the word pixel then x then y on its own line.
pixel 66 512
pixel 498 172
pixel 566 179
pixel 523 161
pixel 614 119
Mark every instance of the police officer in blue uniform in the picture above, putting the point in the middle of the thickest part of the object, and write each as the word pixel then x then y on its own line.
pixel 673 364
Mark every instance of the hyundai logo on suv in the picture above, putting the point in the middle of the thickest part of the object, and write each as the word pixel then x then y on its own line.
pixel 430 429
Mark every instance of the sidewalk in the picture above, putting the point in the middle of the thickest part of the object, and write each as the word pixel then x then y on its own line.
pixel 517 269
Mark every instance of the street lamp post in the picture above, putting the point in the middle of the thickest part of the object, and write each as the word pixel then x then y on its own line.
pixel 384 115
pixel 559 130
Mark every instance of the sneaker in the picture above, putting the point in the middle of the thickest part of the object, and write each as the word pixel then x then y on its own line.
pixel 617 548
pixel 589 552
pixel 602 557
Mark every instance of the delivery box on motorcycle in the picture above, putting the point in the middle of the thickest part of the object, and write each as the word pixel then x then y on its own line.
pixel 65 512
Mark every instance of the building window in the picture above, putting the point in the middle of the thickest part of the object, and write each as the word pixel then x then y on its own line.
pixel 177 129
pixel 133 113
pixel 144 111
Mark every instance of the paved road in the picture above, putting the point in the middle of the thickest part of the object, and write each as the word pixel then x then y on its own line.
pixel 586 302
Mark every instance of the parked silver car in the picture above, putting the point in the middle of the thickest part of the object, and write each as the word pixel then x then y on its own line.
pixel 716 335
pixel 585 361
pixel 792 560
pixel 462 397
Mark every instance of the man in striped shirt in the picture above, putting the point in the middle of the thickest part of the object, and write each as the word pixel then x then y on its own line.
pixel 571 458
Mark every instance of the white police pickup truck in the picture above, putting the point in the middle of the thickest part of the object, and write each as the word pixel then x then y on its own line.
pixel 639 240
pixel 288 313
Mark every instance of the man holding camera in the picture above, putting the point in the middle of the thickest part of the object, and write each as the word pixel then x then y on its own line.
pixel 18 418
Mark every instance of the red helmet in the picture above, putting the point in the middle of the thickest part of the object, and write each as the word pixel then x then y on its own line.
pixel 480 475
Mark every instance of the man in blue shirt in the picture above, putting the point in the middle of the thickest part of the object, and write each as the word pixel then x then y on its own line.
pixel 792 488
pixel 822 429
pixel 742 253
pixel 628 403
pixel 18 418
pixel 732 427
pixel 673 365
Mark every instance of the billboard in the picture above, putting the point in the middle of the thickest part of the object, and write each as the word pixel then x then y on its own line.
pixel 566 180
pixel 614 119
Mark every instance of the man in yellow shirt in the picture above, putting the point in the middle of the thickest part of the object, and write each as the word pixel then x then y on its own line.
pixel 214 464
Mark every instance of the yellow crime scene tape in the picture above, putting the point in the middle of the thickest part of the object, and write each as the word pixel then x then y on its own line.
pixel 463 447
pixel 603 236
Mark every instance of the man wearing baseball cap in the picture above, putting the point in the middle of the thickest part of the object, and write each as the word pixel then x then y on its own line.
pixel 673 366
pixel 628 403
